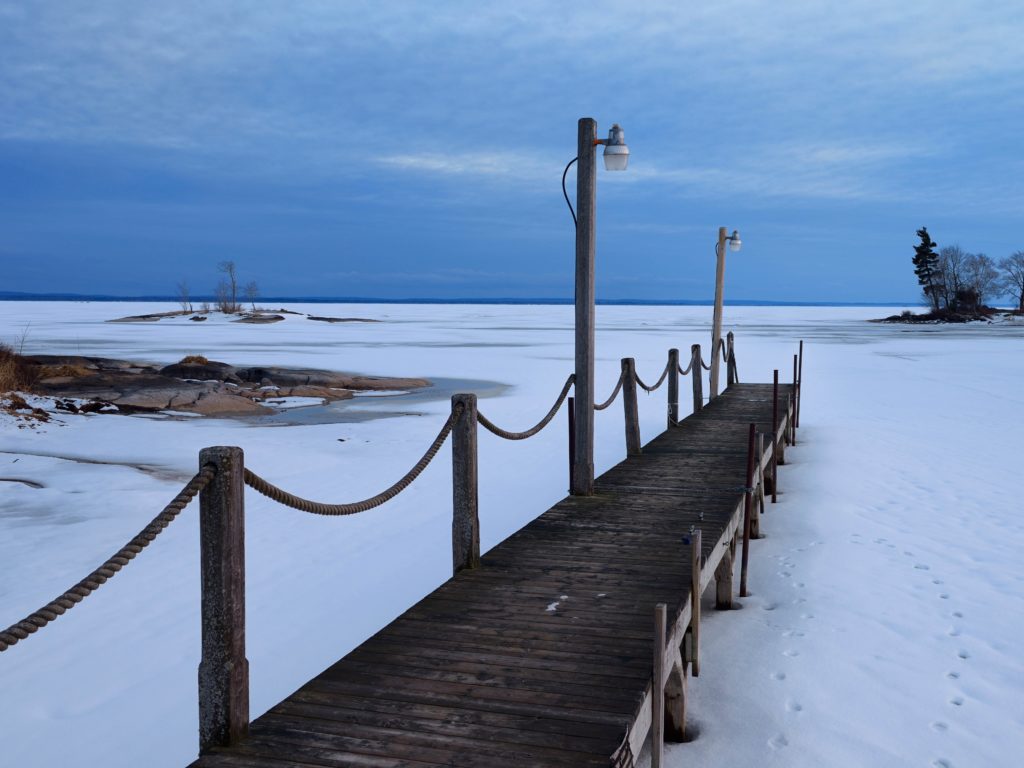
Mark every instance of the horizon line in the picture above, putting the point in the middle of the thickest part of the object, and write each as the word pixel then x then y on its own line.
pixel 560 301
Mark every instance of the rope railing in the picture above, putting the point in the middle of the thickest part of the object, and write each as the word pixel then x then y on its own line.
pixel 611 398
pixel 686 370
pixel 281 496
pixel 493 428
pixel 658 383
pixel 57 607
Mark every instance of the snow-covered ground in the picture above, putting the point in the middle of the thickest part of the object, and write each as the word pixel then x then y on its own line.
pixel 888 597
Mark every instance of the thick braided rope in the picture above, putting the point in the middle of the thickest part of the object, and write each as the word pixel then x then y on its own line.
pixel 94 580
pixel 611 398
pixel 721 348
pixel 689 368
pixel 491 427
pixel 657 384
pixel 260 485
pixel 705 366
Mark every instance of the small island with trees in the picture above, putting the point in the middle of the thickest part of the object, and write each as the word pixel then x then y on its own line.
pixel 957 285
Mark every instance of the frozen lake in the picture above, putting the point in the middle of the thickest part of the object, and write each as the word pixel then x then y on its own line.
pixel 887 600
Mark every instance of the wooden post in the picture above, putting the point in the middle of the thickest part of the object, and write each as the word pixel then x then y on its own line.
pixel 695 563
pixel 696 373
pixel 630 408
pixel 223 668
pixel 716 323
pixel 658 688
pixel 572 438
pixel 755 516
pixel 748 499
pixel 796 389
pixel 675 701
pixel 799 381
pixel 723 581
pixel 775 437
pixel 673 388
pixel 730 358
pixel 586 198
pixel 791 418
pixel 465 510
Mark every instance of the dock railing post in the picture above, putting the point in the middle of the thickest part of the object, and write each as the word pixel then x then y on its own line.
pixel 465 509
pixel 571 411
pixel 775 436
pixel 758 483
pixel 673 388
pixel 695 566
pixel 799 382
pixel 696 373
pixel 730 360
pixel 658 688
pixel 748 500
pixel 223 669
pixel 630 408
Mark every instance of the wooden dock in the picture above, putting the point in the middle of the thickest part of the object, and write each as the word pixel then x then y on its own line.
pixel 545 655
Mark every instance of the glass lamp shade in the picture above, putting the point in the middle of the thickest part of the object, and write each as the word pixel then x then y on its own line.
pixel 616 153
pixel 734 241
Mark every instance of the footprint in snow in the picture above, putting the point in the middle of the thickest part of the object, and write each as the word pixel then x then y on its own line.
pixel 942 763
pixel 953 675
pixel 794 706
pixel 769 606
pixel 953 632
pixel 944 596
pixel 957 701
pixel 963 654
pixel 939 726
pixel 922 567
pixel 778 741
pixel 957 615
pixel 936 581
pixel 778 675
pixel 791 653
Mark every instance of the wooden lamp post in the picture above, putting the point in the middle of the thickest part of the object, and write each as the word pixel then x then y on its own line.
pixel 616 158
pixel 734 243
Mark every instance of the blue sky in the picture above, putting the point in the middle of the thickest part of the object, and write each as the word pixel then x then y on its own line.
pixel 415 149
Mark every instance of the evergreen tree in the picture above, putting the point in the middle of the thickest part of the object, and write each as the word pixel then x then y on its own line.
pixel 926 266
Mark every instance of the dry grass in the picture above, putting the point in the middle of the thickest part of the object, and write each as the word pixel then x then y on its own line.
pixel 193 360
pixel 16 373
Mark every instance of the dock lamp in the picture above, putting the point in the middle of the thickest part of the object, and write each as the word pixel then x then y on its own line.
pixel 734 244
pixel 616 158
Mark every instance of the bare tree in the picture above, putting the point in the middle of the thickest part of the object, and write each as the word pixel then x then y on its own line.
pixel 981 276
pixel 183 296
pixel 251 292
pixel 222 295
pixel 1012 268
pixel 951 267
pixel 227 289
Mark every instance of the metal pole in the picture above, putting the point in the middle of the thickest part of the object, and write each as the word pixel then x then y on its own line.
pixel 716 328
pixel 586 197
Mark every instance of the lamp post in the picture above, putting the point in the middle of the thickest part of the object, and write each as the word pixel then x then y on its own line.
pixel 616 158
pixel 734 243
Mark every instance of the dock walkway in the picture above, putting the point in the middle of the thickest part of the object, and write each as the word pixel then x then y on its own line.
pixel 544 656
